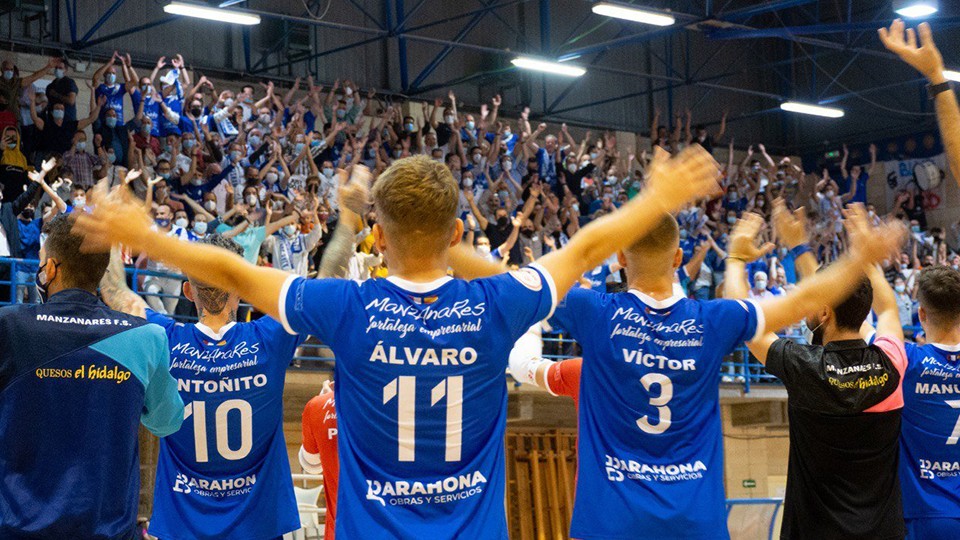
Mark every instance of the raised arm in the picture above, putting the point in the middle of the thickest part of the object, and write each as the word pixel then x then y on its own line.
pixel 114 290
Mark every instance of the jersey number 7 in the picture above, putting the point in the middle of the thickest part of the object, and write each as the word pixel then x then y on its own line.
pixel 955 436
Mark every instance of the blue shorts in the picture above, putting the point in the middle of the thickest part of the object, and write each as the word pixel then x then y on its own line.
pixel 933 529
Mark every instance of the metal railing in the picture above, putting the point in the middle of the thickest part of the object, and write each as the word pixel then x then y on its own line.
pixel 740 367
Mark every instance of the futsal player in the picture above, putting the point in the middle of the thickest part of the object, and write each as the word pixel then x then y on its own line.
pixel 844 399
pixel 654 357
pixel 76 381
pixel 420 395
pixel 930 430
pixel 318 453
pixel 226 474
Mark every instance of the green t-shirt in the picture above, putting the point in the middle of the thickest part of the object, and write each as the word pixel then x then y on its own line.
pixel 250 240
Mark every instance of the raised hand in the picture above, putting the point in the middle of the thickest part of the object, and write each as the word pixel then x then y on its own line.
pixel 116 218
pixel 743 239
pixel 48 165
pixel 132 175
pixel 872 244
pixel 496 101
pixel 790 227
pixel 926 58
pixel 36 176
pixel 693 174
pixel 354 190
pixel 162 61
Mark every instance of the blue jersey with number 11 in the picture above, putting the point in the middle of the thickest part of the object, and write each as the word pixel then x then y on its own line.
pixel 421 396
pixel 226 475
pixel 930 434
pixel 650 453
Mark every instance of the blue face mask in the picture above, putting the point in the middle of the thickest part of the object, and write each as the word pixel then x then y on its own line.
pixel 112 158
pixel 8 74
pixel 235 155
pixel 111 121
pixel 410 127
pixel 57 114
pixel 111 78
pixel 254 141
pixel 297 148
pixel 314 144
pixel 189 143
pixel 163 223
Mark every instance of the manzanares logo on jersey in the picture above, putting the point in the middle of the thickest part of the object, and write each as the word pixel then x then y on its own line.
pixel 930 470
pixel 224 487
pixel 403 493
pixel 620 469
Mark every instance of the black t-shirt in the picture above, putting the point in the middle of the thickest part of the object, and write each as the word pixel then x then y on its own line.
pixel 54 138
pixel 63 86
pixel 13 179
pixel 844 403
pixel 498 234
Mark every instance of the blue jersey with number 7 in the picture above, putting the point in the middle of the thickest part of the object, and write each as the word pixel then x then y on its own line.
pixel 421 396
pixel 930 432
pixel 650 453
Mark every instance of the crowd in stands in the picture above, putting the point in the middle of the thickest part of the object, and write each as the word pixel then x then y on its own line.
pixel 259 165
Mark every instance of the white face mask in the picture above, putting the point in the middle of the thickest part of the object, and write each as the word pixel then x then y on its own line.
pixel 900 288
pixel 252 200
pixel 181 222
pixel 484 250
pixel 328 172
pixel 200 227
pixel 761 285
pixel 289 230
pixel 79 201
pixel 210 206
pixel 272 178
pixel 451 119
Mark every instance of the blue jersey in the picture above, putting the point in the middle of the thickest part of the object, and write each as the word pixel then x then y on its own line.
pixel 114 95
pixel 421 396
pixel 151 109
pixel 76 380
pixel 598 278
pixel 930 432
pixel 650 453
pixel 226 474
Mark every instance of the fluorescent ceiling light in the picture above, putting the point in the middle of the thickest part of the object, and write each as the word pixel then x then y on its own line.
pixel 211 13
pixel 546 66
pixel 951 75
pixel 915 8
pixel 633 14
pixel 816 110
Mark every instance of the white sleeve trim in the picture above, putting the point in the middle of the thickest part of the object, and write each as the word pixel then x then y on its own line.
pixel 309 462
pixel 761 321
pixel 550 284
pixel 283 304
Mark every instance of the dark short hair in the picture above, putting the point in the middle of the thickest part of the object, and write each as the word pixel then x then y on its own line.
pixel 80 270
pixel 665 236
pixel 938 290
pixel 851 313
pixel 220 241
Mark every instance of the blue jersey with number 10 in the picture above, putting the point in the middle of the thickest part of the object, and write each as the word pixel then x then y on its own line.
pixel 650 453
pixel 226 475
pixel 929 436
pixel 421 396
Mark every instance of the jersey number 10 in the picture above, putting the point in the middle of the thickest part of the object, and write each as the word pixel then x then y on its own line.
pixel 198 409
pixel 404 390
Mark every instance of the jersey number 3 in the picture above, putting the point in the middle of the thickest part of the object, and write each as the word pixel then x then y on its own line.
pixel 660 402
pixel 404 390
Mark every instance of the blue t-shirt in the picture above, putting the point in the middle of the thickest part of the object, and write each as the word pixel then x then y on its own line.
pixel 861 195
pixel 650 452
pixel 421 396
pixel 76 381
pixel 930 432
pixel 114 95
pixel 226 474
pixel 598 278
pixel 30 238
pixel 151 109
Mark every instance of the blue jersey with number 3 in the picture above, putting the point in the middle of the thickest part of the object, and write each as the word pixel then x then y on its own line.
pixel 930 433
pixel 650 453
pixel 226 475
pixel 421 396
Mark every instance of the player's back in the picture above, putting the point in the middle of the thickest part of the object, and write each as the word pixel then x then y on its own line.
pixel 226 474
pixel 421 397
pixel 649 447
pixel 930 430
pixel 76 380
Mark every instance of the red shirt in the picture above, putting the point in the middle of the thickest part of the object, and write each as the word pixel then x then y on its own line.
pixel 320 437
pixel 563 379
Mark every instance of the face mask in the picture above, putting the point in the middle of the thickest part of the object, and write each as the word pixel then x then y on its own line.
pixel 468 183
pixel 572 167
pixel 81 146
pixel 503 196
pixel 181 222
pixel 162 223
pixel 145 129
pixel 409 127
pixel 477 158
pixel 470 125
pixel 42 282
pixel 111 78
pixel 145 89
pixel 228 102
pixel 915 228
pixel 27 214
pixel 900 288
pixel 815 336
pixel 314 144
pixel 731 220
pixel 484 250
pixel 732 196
pixel 830 194
pixel 200 227
pixel 235 155
pixel 251 200
pixel 12 146
pixel 506 134
pixel 347 158
pixel 111 122
pixel 8 74
pixel 57 73
pixel 502 221
pixel 188 144
pixel 196 111
pixel 297 148
pixel 165 175
pixel 397 153
pixel 341 113
pixel 210 206
pixel 111 158
pixel 289 230
pixel 264 118
pixel 254 141
pixel 328 172
pixel 683 234
pixel 450 118
pixel 508 165
pixel 575 207
pixel 57 114
pixel 168 148
pixel 612 179
pixel 761 285
pixel 271 178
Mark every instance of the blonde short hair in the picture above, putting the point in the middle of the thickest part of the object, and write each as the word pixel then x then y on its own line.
pixel 416 200
pixel 665 237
